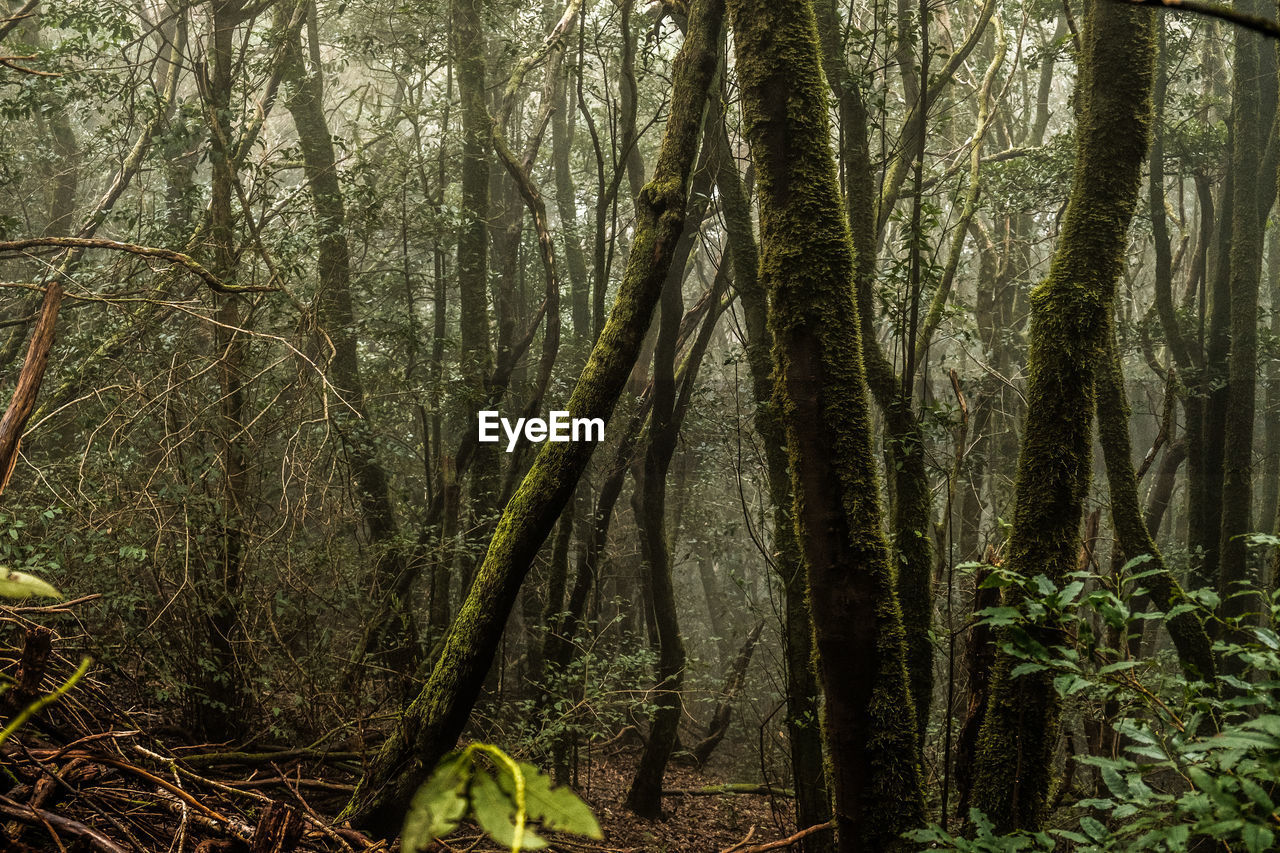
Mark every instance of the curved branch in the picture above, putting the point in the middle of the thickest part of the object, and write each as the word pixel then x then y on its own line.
pixel 1255 23
pixel 212 281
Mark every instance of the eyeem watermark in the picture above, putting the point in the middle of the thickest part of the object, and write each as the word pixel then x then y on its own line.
pixel 558 427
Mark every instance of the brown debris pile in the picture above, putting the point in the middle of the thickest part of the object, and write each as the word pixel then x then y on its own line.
pixel 85 775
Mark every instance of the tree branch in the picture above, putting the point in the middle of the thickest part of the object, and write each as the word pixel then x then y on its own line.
pixel 1255 23
pixel 212 281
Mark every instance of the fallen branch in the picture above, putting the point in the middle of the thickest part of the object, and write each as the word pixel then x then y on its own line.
pixel 208 759
pixel 781 842
pixel 731 788
pixel 40 817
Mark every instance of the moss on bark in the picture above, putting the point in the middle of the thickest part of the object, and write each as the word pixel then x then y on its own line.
pixel 1195 650
pixel 806 267
pixel 1069 320
pixel 432 723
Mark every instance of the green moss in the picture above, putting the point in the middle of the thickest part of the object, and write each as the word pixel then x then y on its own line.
pixel 806 266
pixel 1069 320
pixel 432 723
pixel 1195 649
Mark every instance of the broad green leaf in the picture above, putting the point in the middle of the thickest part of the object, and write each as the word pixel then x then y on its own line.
pixel 495 811
pixel 559 809
pixel 1257 838
pixel 438 805
pixel 22 585
pixel 1026 668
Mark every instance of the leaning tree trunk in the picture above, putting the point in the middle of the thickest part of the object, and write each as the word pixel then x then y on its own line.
pixel 1069 321
pixel 806 267
pixel 432 723
pixel 1195 649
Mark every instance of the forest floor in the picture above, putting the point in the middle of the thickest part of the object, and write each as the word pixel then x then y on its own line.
pixel 86 775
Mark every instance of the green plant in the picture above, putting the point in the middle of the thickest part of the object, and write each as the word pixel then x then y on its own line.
pixel 503 804
pixel 1193 762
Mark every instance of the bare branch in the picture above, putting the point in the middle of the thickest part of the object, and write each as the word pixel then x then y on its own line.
pixel 1254 23
pixel 214 283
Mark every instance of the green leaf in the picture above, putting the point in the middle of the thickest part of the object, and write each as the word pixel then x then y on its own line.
pixel 22 585
pixel 1026 668
pixel 559 809
pixel 495 811
pixel 1257 838
pixel 438 805
pixel 1256 793
pixel 1094 828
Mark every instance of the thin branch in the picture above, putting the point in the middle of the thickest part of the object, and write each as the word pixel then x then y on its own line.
pixel 1254 23
pixel 212 281
pixel 27 10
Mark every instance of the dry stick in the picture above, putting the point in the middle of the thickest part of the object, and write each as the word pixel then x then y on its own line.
pixel 50 820
pixel 33 367
pixel 782 842
pixel 751 833
pixel 23 402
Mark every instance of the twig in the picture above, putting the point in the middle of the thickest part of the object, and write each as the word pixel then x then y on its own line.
pixel 32 815
pixel 782 842
pixel 751 833
pixel 212 281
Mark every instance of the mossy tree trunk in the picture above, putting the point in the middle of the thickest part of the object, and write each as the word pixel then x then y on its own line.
pixel 813 802
pixel 911 502
pixel 807 269
pixel 432 723
pixel 1195 649
pixel 1249 206
pixel 1069 321
pixel 476 349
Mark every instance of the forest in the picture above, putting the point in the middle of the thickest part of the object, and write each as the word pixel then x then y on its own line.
pixel 601 426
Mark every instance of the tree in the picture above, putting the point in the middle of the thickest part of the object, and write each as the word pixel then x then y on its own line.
pixel 432 723
pixel 806 266
pixel 1070 317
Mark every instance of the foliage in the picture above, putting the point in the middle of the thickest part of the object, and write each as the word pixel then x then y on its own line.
pixel 503 804
pixel 1192 762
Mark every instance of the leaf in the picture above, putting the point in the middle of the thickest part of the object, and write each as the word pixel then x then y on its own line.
pixel 438 805
pixel 1257 838
pixel 559 809
pixel 1094 828
pixel 22 585
pixel 495 811
pixel 999 616
pixel 1115 782
pixel 1026 668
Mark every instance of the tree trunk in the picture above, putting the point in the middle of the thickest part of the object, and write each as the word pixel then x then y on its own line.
pixel 807 269
pixel 1070 317
pixel 813 803
pixel 431 725
pixel 1195 650
pixel 393 630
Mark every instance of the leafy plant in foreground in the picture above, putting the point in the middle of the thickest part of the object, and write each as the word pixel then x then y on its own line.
pixel 503 804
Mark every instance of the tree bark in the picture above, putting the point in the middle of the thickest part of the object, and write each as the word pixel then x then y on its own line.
pixel 807 269
pixel 1070 316
pixel 432 723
